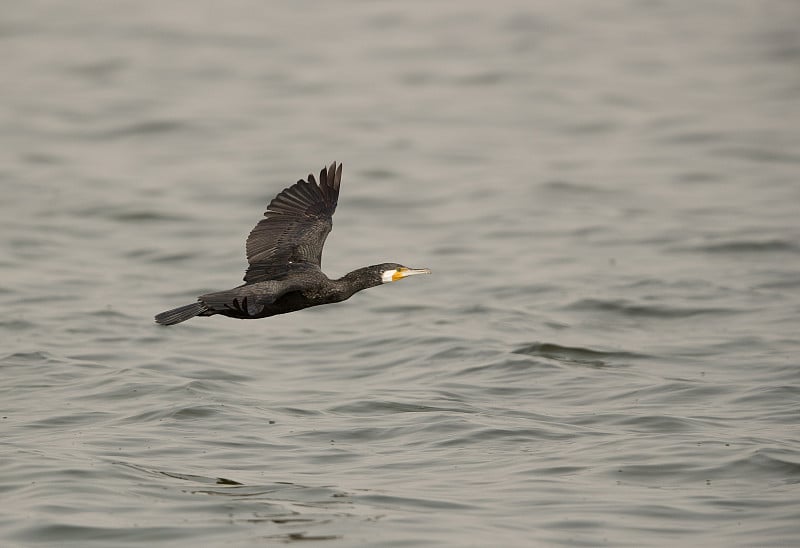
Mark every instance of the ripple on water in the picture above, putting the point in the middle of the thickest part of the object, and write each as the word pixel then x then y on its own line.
pixel 142 129
pixel 278 510
pixel 626 307
pixel 578 355
pixel 744 246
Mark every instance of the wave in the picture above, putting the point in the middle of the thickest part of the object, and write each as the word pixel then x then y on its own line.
pixel 628 308
pixel 577 355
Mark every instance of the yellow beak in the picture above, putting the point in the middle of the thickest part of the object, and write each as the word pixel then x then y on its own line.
pixel 405 272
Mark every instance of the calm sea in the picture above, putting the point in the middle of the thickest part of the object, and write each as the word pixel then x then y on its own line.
pixel 608 195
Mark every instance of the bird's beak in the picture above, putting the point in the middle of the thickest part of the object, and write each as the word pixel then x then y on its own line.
pixel 405 272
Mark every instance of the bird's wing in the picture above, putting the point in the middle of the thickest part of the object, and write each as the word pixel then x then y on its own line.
pixel 296 224
pixel 248 299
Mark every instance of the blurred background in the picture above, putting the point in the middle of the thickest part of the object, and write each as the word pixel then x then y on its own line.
pixel 606 354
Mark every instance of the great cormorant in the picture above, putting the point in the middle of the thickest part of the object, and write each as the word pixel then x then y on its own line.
pixel 284 252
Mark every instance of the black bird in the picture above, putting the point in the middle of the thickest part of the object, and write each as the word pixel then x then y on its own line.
pixel 284 252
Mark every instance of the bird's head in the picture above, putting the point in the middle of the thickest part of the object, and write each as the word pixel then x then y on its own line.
pixel 392 272
pixel 377 274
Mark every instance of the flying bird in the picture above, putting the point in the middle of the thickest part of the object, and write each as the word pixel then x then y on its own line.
pixel 284 252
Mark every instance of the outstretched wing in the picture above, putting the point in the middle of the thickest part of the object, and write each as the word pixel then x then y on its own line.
pixel 296 224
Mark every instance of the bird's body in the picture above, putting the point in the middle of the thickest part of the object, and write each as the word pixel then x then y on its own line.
pixel 284 252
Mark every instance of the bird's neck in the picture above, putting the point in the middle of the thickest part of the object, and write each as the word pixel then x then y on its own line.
pixel 355 281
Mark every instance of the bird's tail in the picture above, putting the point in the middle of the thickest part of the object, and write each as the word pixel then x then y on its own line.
pixel 180 314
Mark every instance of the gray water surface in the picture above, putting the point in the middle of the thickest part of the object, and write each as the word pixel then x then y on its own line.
pixel 608 195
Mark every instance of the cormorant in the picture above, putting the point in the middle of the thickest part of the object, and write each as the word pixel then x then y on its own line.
pixel 284 252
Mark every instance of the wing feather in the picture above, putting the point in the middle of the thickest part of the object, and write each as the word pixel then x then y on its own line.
pixel 295 225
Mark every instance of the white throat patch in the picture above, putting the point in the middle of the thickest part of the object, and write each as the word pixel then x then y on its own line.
pixel 386 277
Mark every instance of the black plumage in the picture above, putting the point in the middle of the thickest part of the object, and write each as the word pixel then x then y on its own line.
pixel 284 252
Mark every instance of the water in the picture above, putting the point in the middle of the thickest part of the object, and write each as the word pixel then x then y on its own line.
pixel 606 353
